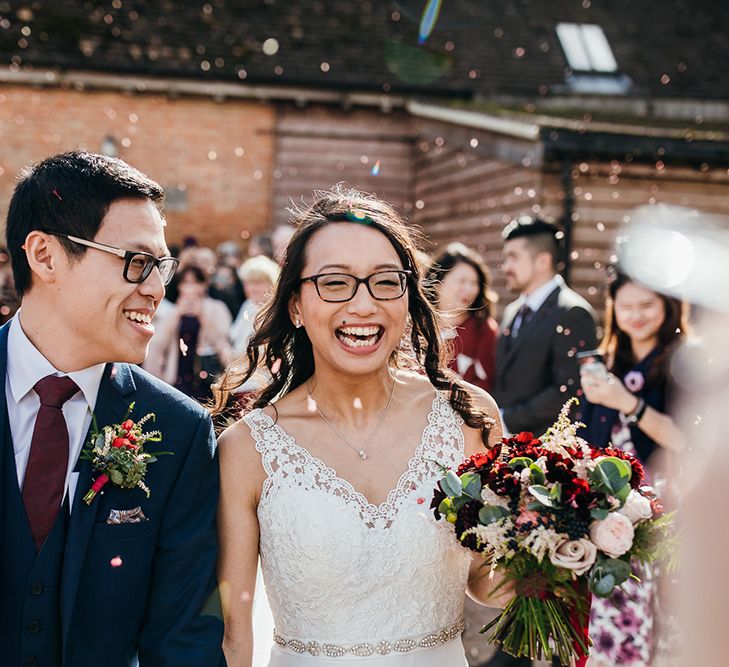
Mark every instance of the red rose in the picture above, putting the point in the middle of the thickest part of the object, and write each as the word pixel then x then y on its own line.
pixel 128 425
pixel 480 460
pixel 121 442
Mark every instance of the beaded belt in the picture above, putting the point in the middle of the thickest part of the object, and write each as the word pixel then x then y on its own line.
pixel 365 649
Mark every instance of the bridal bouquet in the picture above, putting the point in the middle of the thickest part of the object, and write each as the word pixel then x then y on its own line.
pixel 560 520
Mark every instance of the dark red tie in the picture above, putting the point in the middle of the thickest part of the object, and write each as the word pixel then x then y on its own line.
pixel 45 475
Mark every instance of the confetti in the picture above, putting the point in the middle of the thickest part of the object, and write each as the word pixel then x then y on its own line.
pixel 421 501
pixel 357 403
pixel 428 20
pixel 55 192
pixel 245 596
pixel 116 561
pixel 375 171
pixel 310 403
pixel 183 347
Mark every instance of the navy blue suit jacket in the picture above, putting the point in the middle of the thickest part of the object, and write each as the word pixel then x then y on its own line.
pixel 160 604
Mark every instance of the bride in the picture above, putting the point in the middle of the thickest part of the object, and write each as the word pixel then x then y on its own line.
pixel 330 477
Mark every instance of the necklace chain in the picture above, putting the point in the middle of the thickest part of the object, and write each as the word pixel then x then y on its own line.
pixel 360 450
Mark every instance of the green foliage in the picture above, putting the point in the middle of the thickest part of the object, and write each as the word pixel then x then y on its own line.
pixel 491 513
pixel 471 485
pixel 657 541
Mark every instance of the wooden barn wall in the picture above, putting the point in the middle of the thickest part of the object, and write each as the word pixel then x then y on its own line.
pixel 606 195
pixel 469 184
pixel 317 147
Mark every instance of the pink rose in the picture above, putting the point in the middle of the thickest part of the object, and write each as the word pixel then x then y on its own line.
pixel 613 535
pixel 576 555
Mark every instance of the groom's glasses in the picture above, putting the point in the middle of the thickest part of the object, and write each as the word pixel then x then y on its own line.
pixel 137 265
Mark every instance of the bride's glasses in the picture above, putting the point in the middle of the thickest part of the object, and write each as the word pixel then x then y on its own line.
pixel 338 287
pixel 137 264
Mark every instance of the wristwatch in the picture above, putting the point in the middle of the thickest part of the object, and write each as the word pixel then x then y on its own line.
pixel 635 416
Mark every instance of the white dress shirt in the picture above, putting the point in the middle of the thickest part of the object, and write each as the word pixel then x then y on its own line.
pixel 26 366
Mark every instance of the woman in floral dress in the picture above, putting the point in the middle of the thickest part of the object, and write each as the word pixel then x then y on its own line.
pixel 628 408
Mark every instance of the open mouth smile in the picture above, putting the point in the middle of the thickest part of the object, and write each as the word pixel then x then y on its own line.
pixel 358 337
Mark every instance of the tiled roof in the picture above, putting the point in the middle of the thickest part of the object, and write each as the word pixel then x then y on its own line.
pixel 668 48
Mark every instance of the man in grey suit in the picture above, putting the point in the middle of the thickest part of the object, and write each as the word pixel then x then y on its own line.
pixel 541 332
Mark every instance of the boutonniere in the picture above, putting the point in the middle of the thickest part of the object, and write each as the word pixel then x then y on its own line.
pixel 118 456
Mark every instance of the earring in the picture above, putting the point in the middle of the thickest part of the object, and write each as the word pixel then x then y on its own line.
pixel 297 324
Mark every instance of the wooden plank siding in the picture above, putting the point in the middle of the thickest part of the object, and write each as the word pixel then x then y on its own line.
pixel 325 146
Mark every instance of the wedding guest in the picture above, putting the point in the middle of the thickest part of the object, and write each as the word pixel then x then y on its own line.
pixel 261 244
pixel 226 286
pixel 354 562
pixel 280 238
pixel 627 406
pixel 536 367
pixel 460 285
pixel 259 276
pixel 194 338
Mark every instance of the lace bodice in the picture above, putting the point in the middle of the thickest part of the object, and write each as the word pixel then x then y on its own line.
pixel 339 569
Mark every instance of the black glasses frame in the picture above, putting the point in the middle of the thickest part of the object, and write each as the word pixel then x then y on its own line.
pixel 128 256
pixel 404 273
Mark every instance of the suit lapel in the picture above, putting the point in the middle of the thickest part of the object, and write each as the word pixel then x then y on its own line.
pixel 528 328
pixel 4 442
pixel 111 406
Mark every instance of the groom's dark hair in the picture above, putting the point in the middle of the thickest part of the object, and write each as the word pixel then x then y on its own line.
pixel 69 193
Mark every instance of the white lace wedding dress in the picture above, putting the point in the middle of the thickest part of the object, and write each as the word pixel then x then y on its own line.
pixel 349 581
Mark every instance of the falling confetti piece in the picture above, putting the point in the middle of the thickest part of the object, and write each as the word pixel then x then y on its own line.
pixel 55 192
pixel 310 403
pixel 246 316
pixel 421 501
pixel 357 403
pixel 245 596
pixel 276 367
pixel 428 20
pixel 183 347
pixel 116 561
pixel 375 171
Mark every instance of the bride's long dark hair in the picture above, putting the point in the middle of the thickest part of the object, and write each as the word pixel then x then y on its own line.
pixel 286 351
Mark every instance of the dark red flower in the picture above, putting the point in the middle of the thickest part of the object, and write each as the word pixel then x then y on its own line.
pixel 638 472
pixel 479 460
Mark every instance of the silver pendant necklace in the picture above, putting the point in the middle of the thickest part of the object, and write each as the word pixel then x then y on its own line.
pixel 360 450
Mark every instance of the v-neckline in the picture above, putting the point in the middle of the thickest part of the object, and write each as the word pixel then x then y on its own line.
pixel 380 509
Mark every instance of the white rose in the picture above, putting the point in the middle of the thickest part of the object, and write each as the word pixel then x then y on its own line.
pixel 637 507
pixel 577 555
pixel 613 535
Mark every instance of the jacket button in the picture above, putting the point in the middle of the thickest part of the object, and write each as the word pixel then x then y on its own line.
pixel 30 662
pixel 36 588
pixel 33 627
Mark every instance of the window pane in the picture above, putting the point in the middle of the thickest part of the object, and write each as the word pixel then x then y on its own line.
pixel 572 45
pixel 600 53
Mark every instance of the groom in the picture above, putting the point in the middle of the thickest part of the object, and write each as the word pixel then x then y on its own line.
pixel 126 577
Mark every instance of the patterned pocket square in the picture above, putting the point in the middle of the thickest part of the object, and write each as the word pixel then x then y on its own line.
pixel 134 515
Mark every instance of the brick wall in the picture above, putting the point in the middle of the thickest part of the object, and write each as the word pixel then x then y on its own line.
pixel 214 158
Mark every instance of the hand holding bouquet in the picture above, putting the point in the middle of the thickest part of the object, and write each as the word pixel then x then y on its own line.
pixel 558 519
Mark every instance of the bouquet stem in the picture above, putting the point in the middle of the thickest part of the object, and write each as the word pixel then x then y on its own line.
pixel 101 480
pixel 541 628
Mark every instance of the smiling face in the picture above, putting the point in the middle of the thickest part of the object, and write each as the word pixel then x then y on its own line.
pixel 639 312
pixel 105 318
pixel 458 289
pixel 356 336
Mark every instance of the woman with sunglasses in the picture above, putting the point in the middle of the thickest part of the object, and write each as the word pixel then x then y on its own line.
pixel 330 476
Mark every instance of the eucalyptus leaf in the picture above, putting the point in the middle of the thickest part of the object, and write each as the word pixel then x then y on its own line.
pixel 541 493
pixel 520 462
pixel 599 514
pixel 616 568
pixel 622 493
pixel 537 474
pixel 451 484
pixel 556 493
pixel 603 587
pixel 471 483
pixel 490 513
